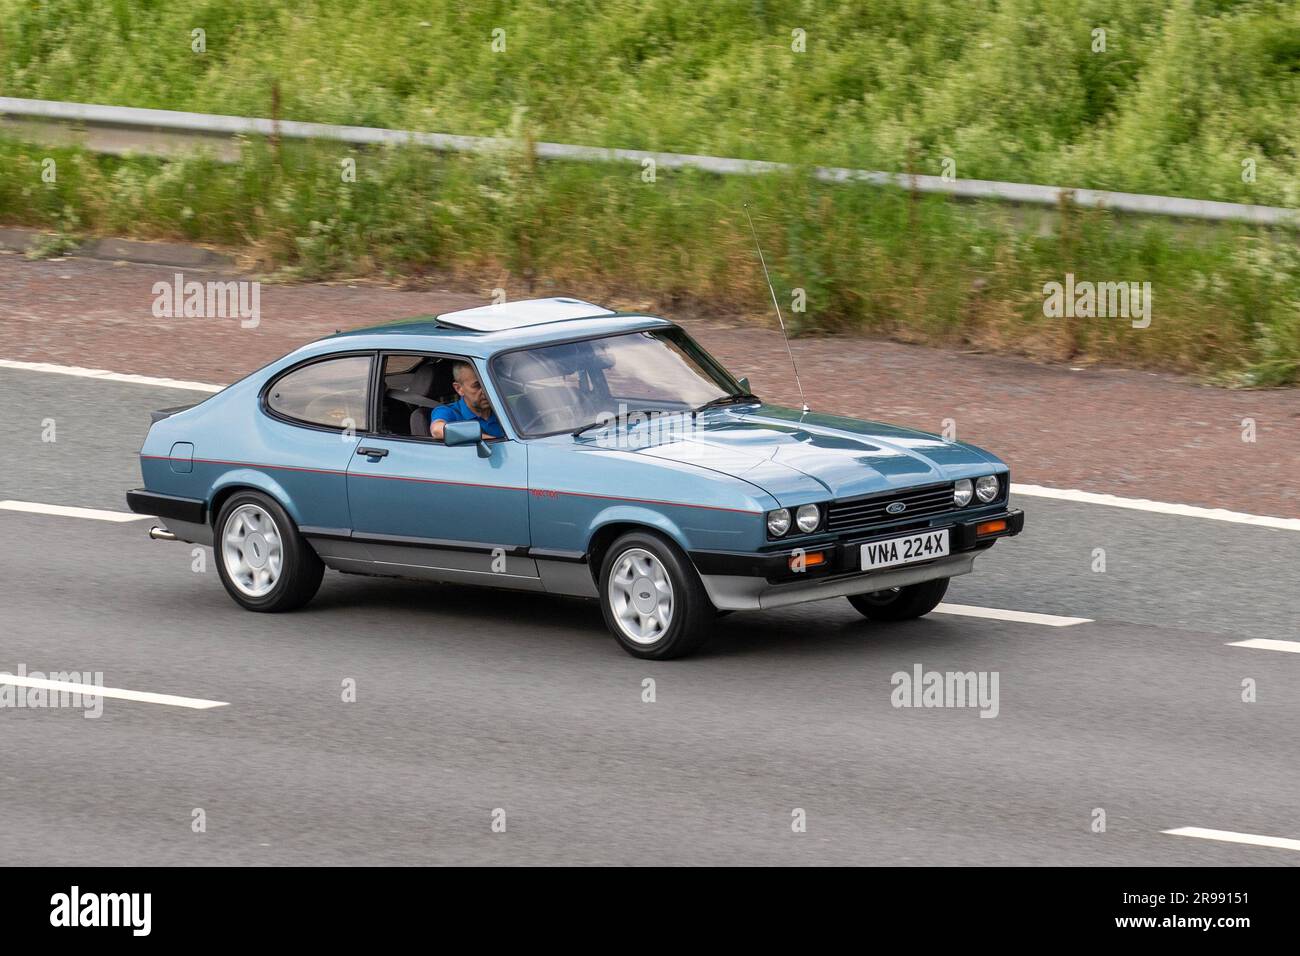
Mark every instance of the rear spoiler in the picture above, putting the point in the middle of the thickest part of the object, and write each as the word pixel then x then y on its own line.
pixel 161 413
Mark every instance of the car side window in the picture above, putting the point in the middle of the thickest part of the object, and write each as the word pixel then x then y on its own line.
pixel 411 386
pixel 329 393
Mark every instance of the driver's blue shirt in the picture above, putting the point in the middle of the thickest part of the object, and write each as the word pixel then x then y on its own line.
pixel 458 411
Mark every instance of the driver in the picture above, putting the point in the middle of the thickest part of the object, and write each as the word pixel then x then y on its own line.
pixel 472 404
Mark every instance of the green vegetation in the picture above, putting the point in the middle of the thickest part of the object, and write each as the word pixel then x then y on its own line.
pixel 1185 91
pixel 1009 89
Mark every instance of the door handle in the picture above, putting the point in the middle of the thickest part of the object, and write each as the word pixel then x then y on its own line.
pixel 373 452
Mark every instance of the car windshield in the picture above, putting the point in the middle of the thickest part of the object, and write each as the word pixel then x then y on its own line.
pixel 557 388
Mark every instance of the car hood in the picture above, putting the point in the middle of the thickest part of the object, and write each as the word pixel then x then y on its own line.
pixel 805 456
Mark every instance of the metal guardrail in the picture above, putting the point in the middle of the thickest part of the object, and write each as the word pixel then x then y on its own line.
pixel 208 125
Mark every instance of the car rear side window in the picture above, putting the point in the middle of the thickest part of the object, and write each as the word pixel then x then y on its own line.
pixel 330 393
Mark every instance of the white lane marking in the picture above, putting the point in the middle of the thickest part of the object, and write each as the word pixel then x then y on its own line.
pixel 1021 617
pixel 64 511
pixel 1159 507
pixel 108 376
pixel 117 693
pixel 1228 836
pixel 992 613
pixel 1034 491
pixel 1266 644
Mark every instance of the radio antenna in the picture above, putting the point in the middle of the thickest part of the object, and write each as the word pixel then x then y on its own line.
pixel 784 335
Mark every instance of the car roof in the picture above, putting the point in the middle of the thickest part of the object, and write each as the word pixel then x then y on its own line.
pixel 518 315
pixel 483 332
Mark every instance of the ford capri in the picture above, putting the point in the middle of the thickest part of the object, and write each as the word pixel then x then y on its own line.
pixel 555 446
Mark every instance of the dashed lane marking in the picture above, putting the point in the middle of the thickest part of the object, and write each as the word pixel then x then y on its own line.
pixel 1157 507
pixel 116 693
pixel 1267 644
pixel 65 511
pixel 107 376
pixel 1229 836
pixel 1020 617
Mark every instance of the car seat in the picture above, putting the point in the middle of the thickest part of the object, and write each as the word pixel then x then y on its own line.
pixel 428 387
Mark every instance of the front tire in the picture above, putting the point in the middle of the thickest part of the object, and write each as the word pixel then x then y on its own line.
pixel 901 604
pixel 652 598
pixel 264 563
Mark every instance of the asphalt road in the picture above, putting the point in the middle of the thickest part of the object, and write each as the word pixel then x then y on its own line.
pixel 470 700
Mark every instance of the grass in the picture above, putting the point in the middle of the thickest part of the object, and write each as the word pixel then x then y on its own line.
pixel 1182 94
pixel 884 261
pixel 1185 93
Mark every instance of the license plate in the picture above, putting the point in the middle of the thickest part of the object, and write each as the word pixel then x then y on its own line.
pixel 920 546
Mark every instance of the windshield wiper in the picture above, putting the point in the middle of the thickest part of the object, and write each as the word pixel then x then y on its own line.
pixel 601 423
pixel 740 398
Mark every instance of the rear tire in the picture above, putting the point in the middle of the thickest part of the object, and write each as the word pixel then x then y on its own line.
pixel 264 563
pixel 652 598
pixel 901 604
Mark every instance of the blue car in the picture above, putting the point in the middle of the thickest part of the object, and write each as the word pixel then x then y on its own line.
pixel 553 445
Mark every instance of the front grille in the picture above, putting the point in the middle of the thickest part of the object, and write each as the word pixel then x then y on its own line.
pixel 870 509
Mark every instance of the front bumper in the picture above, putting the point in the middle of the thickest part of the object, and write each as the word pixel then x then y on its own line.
pixel 738 581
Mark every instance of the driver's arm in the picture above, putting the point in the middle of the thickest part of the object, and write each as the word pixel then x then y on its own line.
pixel 436 428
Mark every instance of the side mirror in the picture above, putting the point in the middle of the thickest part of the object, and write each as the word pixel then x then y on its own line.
pixel 462 433
pixel 744 384
pixel 466 433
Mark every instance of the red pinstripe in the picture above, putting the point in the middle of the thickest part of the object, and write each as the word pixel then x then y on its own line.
pixel 441 481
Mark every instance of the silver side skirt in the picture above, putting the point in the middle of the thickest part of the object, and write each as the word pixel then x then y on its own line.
pixel 456 567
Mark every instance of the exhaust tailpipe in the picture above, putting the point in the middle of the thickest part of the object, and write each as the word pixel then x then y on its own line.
pixel 161 534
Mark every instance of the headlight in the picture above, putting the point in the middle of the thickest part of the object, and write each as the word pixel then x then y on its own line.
pixel 778 522
pixel 961 493
pixel 986 488
pixel 808 517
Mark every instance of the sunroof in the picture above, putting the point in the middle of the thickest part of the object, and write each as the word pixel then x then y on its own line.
pixel 518 315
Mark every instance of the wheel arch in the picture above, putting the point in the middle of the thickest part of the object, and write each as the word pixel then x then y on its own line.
pixel 247 480
pixel 604 535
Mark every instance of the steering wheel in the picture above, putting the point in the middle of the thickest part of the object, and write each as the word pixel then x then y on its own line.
pixel 544 414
